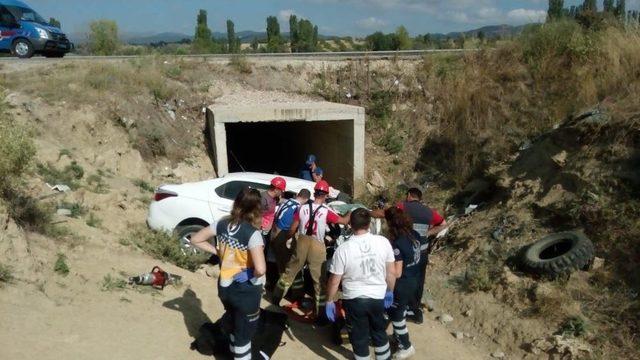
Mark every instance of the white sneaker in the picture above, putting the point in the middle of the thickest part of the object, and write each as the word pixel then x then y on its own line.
pixel 405 353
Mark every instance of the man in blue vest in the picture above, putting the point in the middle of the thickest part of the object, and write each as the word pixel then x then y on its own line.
pixel 309 168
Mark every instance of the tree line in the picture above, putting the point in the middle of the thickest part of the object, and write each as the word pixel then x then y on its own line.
pixel 587 13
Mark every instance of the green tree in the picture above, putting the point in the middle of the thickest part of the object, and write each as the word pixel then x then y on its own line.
pixel 274 39
pixel 590 6
pixel 402 40
pixel 255 44
pixel 202 40
pixel 609 6
pixel 233 42
pixel 460 41
pixel 621 9
pixel 573 11
pixel 293 33
pixel 103 37
pixel 379 41
pixel 314 39
pixel 481 37
pixel 555 9
pixel 305 36
pixel 55 22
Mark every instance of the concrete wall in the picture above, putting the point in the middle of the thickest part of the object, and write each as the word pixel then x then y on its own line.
pixel 277 138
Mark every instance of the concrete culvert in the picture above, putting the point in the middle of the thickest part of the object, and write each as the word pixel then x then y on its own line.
pixel 276 138
pixel 559 254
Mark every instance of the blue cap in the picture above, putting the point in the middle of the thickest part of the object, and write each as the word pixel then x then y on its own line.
pixel 311 159
pixel 319 171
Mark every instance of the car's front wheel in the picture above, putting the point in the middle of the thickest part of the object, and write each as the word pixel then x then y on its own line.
pixel 184 234
pixel 22 48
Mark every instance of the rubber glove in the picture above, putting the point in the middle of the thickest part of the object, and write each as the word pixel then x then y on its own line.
pixel 388 299
pixel 330 311
pixel 243 276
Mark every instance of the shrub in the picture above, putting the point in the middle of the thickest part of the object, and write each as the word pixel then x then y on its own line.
pixel 103 37
pixel 164 247
pixel 77 209
pixel 97 184
pixel 16 150
pixel 93 221
pixel 110 283
pixel 481 276
pixel 61 266
pixel 68 176
pixel 6 274
pixel 575 326
pixel 241 64
pixel 144 186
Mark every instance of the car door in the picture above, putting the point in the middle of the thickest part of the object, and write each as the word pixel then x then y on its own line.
pixel 225 193
pixel 7 28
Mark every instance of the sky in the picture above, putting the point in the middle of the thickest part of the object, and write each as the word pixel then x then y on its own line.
pixel 333 17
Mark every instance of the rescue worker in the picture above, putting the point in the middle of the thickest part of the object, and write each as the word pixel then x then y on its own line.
pixel 365 267
pixel 427 222
pixel 282 243
pixel 308 230
pixel 406 249
pixel 269 202
pixel 309 168
pixel 240 247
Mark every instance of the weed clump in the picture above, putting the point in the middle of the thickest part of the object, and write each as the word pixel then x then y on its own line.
pixel 144 186
pixel 6 274
pixel 93 221
pixel 480 277
pixel 164 247
pixel 575 326
pixel 61 266
pixel 241 64
pixel 110 283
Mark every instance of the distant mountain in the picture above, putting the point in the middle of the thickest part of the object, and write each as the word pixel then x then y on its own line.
pixel 490 32
pixel 168 37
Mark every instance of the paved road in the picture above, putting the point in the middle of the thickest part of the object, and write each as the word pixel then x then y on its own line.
pixel 377 55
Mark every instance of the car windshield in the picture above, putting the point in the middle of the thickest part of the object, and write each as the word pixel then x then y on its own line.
pixel 26 14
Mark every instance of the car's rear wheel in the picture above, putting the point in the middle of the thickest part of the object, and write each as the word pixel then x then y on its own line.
pixel 184 234
pixel 22 48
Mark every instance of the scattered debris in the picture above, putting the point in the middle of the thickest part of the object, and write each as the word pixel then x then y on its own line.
pixel 508 277
pixel 566 347
pixel 598 263
pixel 468 313
pixel 498 355
pixel 59 187
pixel 458 335
pixel 64 212
pixel 525 145
pixel 445 318
pixel 560 158
pixel 157 278
pixel 431 304
pixel 377 180
pixel 128 123
pixel 471 208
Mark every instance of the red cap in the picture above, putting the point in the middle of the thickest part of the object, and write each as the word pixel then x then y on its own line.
pixel 322 186
pixel 279 183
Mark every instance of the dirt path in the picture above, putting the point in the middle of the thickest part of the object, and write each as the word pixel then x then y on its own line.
pixel 72 318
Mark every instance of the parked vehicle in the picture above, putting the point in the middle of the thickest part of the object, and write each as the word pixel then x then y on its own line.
pixel 23 32
pixel 187 208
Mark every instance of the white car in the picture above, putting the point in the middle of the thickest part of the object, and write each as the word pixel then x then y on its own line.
pixel 186 209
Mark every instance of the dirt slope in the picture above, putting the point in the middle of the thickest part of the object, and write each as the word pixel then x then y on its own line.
pixel 49 316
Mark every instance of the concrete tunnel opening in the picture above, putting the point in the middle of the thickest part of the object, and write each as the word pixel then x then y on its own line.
pixel 276 139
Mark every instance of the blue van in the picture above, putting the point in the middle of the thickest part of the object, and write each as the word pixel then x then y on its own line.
pixel 23 32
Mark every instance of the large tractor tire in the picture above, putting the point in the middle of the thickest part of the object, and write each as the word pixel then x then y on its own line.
pixel 559 254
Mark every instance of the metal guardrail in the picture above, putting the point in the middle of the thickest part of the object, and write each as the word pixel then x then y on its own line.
pixel 402 54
